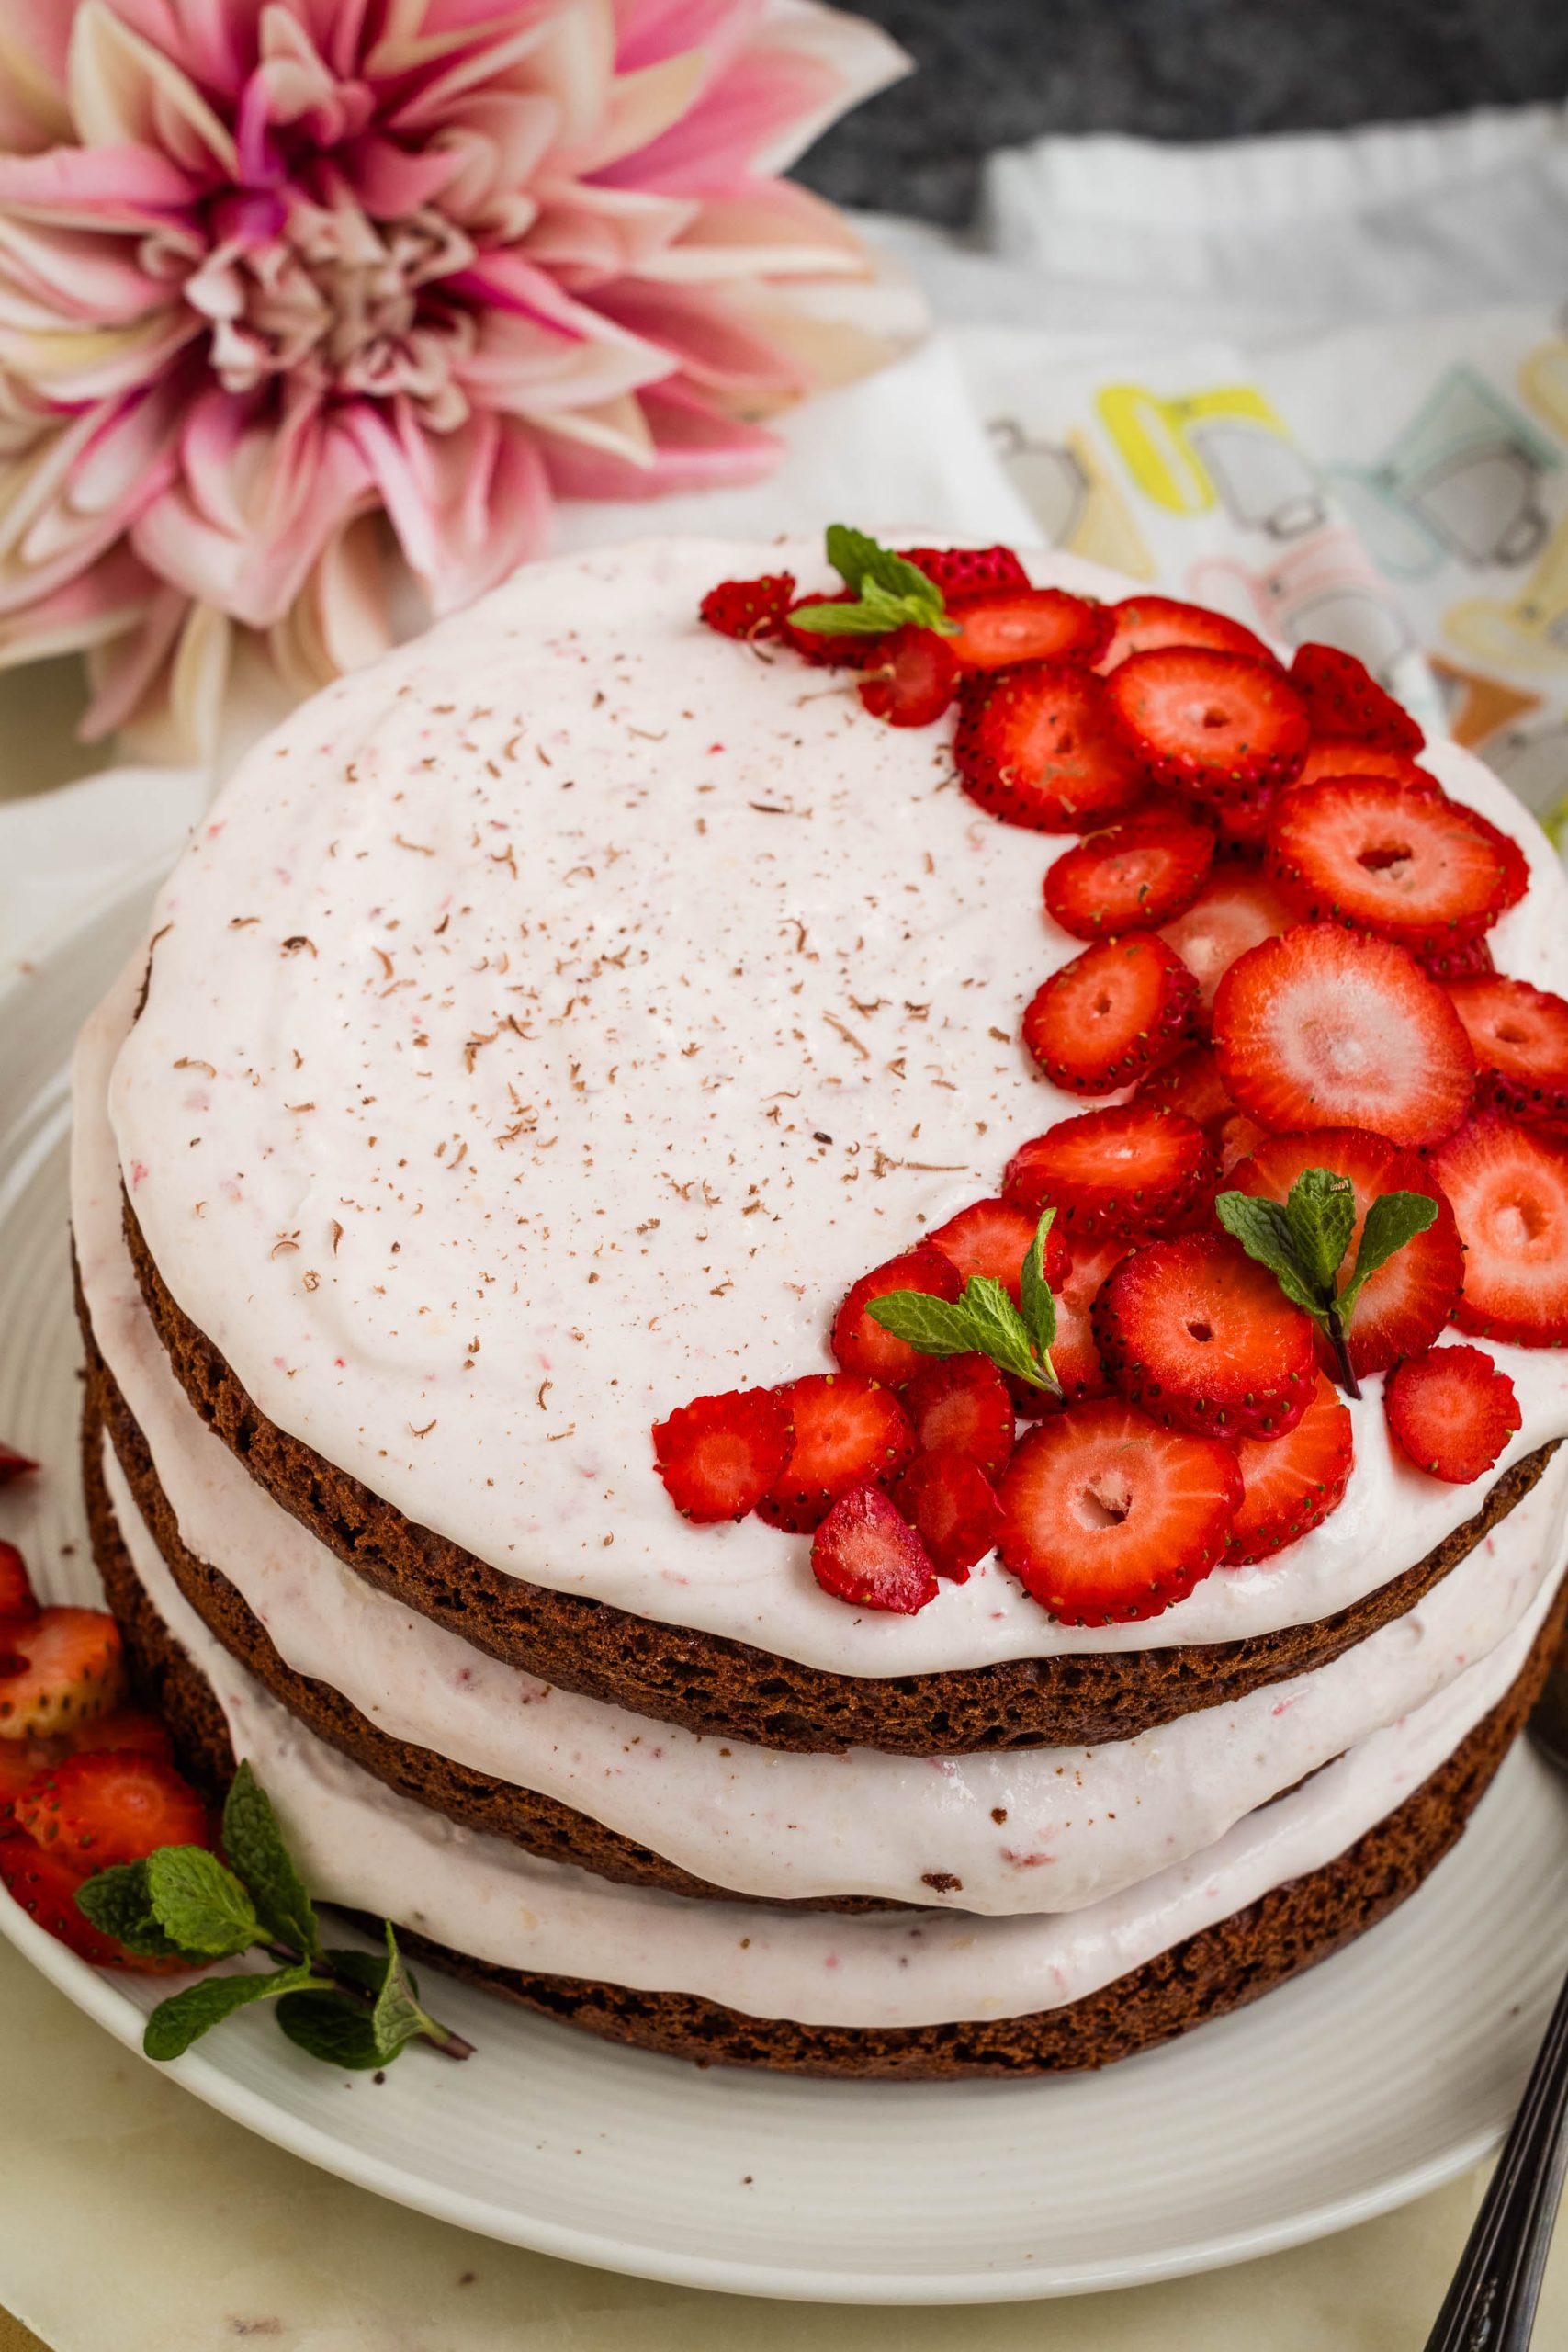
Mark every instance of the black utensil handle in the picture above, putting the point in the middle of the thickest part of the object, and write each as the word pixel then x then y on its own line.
pixel 1492 2299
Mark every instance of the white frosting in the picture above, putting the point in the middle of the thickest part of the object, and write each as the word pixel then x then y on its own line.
pixel 365 1846
pixel 495 1016
pixel 1078 1825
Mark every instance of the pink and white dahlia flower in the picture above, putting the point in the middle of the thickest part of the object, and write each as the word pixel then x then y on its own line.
pixel 294 293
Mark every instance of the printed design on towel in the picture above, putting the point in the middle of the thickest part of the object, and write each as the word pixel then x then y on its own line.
pixel 1073 498
pixel 1219 446
pixel 1461 482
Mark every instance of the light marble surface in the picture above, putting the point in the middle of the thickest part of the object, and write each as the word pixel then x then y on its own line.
pixel 132 2219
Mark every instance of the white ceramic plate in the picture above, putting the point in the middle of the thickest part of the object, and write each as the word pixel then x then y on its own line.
pixel 1367 2083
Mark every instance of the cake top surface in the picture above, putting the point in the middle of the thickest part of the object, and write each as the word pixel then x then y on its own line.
pixel 548 1025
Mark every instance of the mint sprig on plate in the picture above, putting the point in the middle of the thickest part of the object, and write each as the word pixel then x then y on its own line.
pixel 352 2008
pixel 982 1320
pixel 890 593
pixel 1304 1244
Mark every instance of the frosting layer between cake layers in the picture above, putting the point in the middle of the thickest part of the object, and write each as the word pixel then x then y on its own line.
pixel 364 1847
pixel 1075 1825
pixel 548 1025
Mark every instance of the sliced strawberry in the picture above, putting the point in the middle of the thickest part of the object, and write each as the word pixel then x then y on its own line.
pixel 1509 1189
pixel 125 1727
pixel 20 1761
pixel 1451 1412
pixel 995 1237
pixel 14 1464
pixel 1219 726
pixel 865 1552
pixel 849 1431
pixel 1337 755
pixel 18 1599
pixel 1331 1028
pixel 1202 1338
pixel 1463 961
pixel 1131 877
pixel 1145 624
pixel 1343 698
pixel 57 1670
pixel 1292 1482
pixel 1395 858
pixel 963 571
pixel 999 626
pixel 1132 1172
pixel 1521 1037
pixel 46 1888
pixel 1407 1303
pixel 953 1507
pixel 1236 1139
pixel 1241 826
pixel 914 678
pixel 960 1405
pixel 1234 911
pixel 1108 1518
pixel 748 608
pixel 836 649
pixel 1515 865
pixel 864 1346
pixel 111 1806
pixel 1192 1084
pixel 1037 746
pixel 1121 1007
pixel 719 1455
pixel 1075 1358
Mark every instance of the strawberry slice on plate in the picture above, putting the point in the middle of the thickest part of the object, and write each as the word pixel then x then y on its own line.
pixel 1201 1337
pixel 1508 1185
pixel 912 680
pixel 849 1431
pixel 960 1405
pixel 719 1455
pixel 1344 700
pixel 953 1507
pixel 1145 624
pixel 110 1806
pixel 1338 755
pixel 999 626
pixel 1036 746
pixel 866 1553
pixel 45 1885
pixel 1220 726
pixel 862 1345
pixel 18 1599
pixel 1463 961
pixel 1451 1412
pixel 1521 1037
pixel 1108 1519
pixel 1190 1084
pixel 964 572
pixel 1121 1007
pixel 748 608
pixel 1132 877
pixel 1234 910
pixel 1407 862
pixel 1073 1355
pixel 994 1238
pixel 1292 1483
pixel 57 1670
pixel 1130 1171
pixel 1332 1028
pixel 1405 1304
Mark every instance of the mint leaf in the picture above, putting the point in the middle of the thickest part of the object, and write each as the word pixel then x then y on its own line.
pixel 175 2024
pixel 330 2027
pixel 999 1329
pixel 365 1971
pixel 938 1327
pixel 1264 1231
pixel 860 560
pixel 398 2017
pixel 1034 1295
pixel 1321 1213
pixel 116 1902
pixel 199 1903
pixel 1393 1219
pixel 890 593
pixel 254 1843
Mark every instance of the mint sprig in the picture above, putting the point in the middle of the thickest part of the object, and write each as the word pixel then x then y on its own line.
pixel 351 2009
pixel 1304 1244
pixel 982 1320
pixel 890 593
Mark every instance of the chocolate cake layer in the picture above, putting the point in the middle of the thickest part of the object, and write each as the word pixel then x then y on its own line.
pixel 711 1684
pixel 1219 1969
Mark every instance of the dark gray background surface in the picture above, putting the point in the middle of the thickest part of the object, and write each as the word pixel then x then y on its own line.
pixel 998 71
